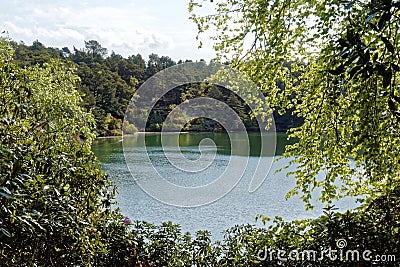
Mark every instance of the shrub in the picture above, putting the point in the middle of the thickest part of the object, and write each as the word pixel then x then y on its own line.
pixel 54 199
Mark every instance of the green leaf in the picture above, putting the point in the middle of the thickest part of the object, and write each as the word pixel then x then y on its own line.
pixel 6 195
pixel 388 44
pixel 385 18
pixel 387 79
pixel 370 17
pixel 5 232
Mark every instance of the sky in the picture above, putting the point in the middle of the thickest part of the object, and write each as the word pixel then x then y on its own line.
pixel 125 27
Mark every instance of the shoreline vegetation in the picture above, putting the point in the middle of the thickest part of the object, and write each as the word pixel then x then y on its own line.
pixel 108 82
pixel 56 210
pixel 157 132
pixel 56 203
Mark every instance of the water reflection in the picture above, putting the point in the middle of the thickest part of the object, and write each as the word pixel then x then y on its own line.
pixel 237 207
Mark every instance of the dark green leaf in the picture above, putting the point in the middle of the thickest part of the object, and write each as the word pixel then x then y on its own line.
pixel 6 195
pixel 384 19
pixel 388 44
pixel 5 232
pixel 387 79
pixel 370 17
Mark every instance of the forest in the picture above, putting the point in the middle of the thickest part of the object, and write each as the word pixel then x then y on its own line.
pixel 108 81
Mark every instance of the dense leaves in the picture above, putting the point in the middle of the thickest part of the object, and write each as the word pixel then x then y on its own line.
pixel 107 84
pixel 363 237
pixel 54 199
pixel 342 79
pixel 345 56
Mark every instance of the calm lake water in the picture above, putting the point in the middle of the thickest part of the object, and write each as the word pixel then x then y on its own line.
pixel 239 206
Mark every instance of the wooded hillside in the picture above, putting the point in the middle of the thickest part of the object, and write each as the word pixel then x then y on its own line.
pixel 109 80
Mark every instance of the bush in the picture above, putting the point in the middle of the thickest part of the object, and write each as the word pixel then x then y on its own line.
pixel 56 203
pixel 129 128
pixel 371 230
pixel 54 199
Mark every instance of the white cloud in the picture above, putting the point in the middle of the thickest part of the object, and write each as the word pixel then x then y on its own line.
pixel 12 28
pixel 122 27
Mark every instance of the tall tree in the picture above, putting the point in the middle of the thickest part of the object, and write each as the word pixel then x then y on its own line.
pixel 94 47
pixel 54 199
pixel 156 64
pixel 345 55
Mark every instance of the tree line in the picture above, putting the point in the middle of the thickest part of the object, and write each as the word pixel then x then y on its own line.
pixel 108 81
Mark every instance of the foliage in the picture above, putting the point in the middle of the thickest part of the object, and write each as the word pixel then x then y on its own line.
pixel 371 236
pixel 342 80
pixel 54 199
pixel 335 64
pixel 107 84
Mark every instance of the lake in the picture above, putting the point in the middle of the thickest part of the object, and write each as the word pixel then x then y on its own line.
pixel 237 206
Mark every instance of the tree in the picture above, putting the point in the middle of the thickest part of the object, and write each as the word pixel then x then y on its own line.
pixel 128 69
pixel 55 201
pixel 37 53
pixel 93 47
pixel 107 84
pixel 36 45
pixel 65 52
pixel 156 64
pixel 338 62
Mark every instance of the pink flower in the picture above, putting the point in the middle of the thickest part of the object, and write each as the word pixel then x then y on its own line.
pixel 127 221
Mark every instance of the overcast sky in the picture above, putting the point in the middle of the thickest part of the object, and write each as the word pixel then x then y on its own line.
pixel 126 27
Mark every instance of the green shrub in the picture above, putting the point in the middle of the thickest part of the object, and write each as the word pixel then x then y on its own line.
pixel 373 229
pixel 54 199
pixel 56 210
